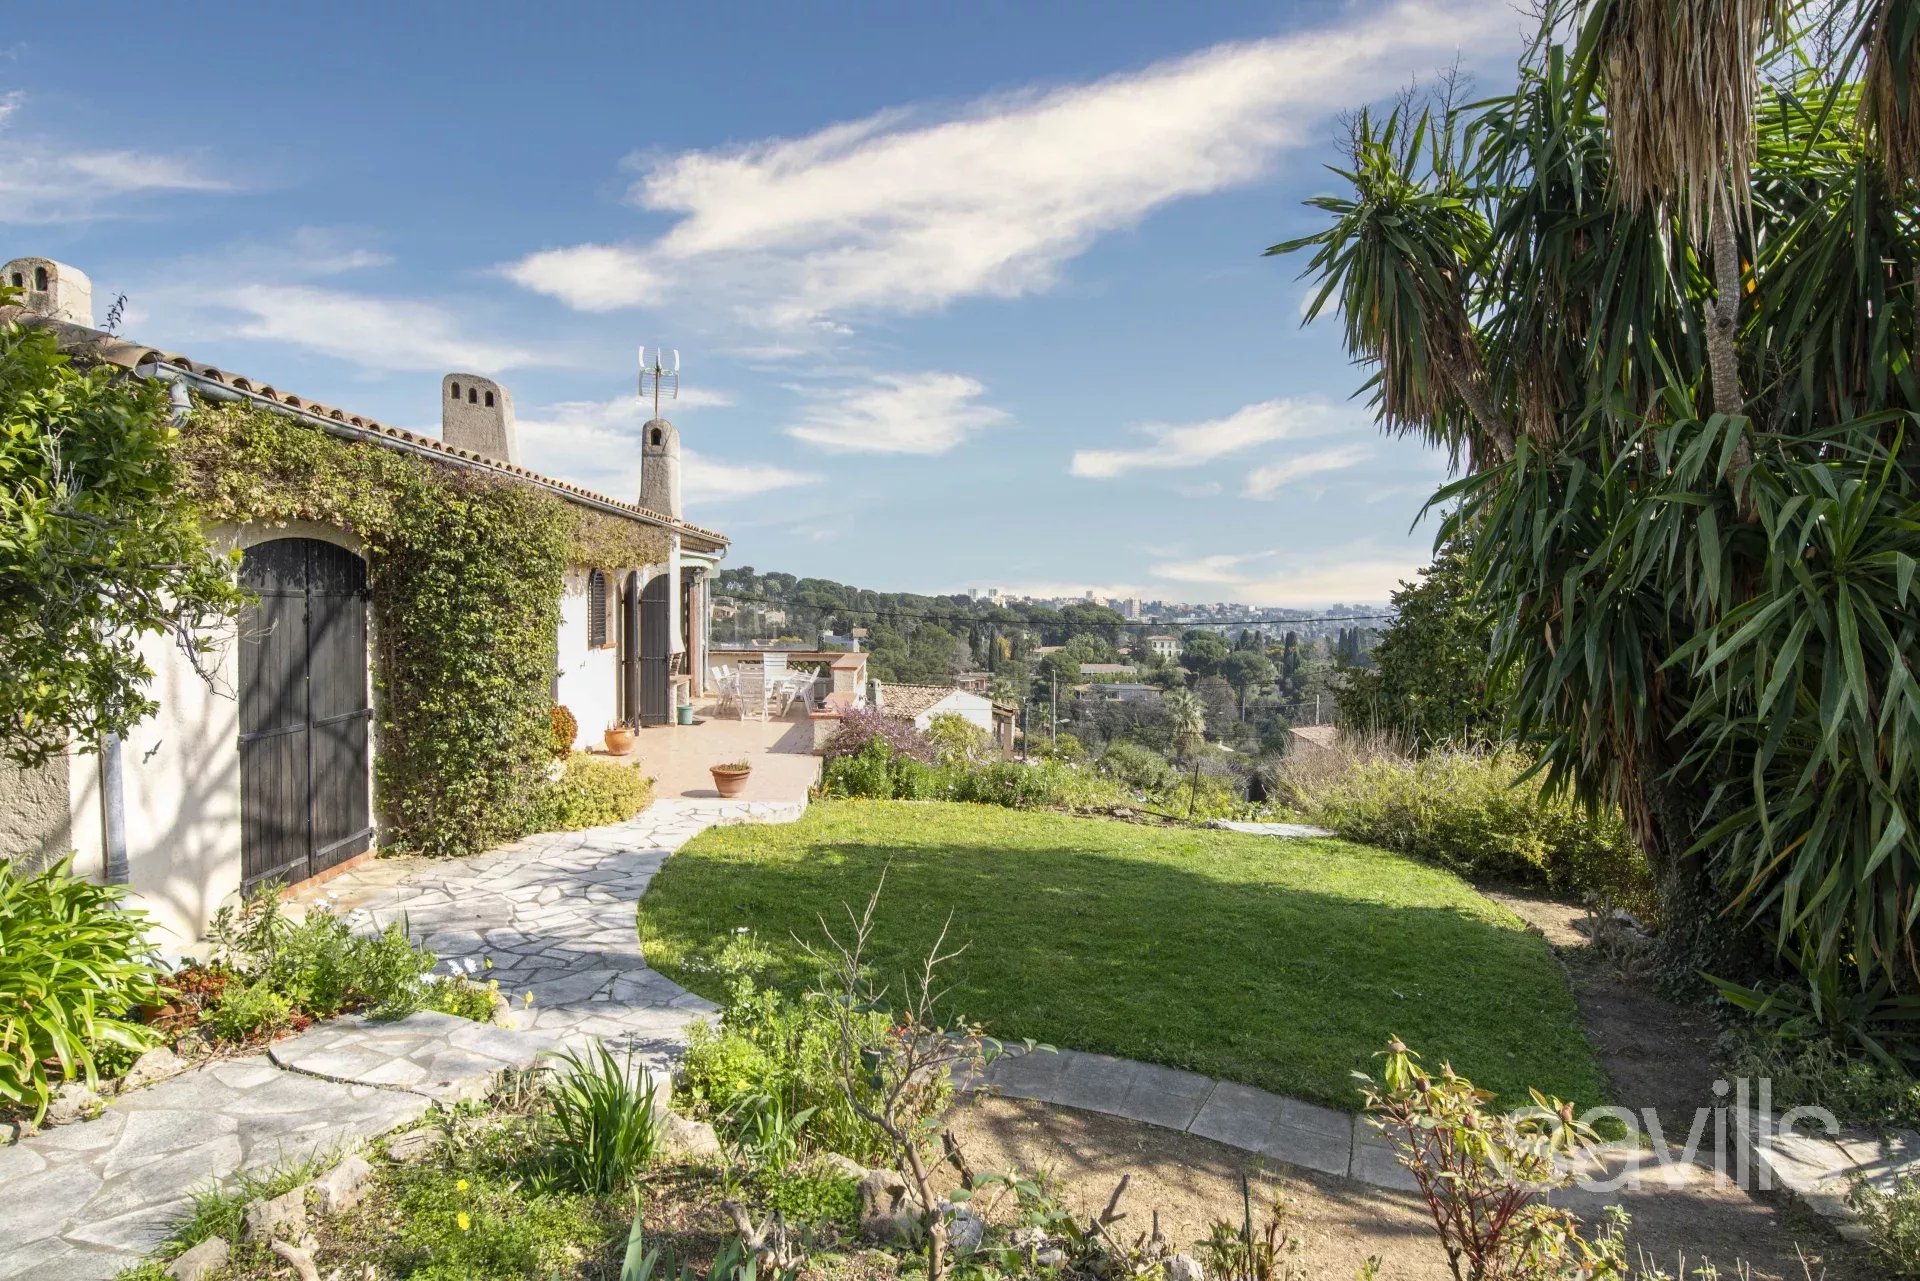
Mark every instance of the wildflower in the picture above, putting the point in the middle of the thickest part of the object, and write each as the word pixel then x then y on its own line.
pixel 488 962
pixel 528 999
pixel 465 1222
pixel 459 1185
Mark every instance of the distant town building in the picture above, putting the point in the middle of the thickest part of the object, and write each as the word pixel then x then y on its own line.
pixel 1124 692
pixel 1161 645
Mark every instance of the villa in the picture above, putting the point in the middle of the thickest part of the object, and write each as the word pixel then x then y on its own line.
pixel 265 770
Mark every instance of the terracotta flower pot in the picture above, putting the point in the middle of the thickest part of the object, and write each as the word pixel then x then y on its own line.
pixel 619 740
pixel 730 782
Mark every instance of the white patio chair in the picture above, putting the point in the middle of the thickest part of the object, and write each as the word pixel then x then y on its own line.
pixel 726 685
pixel 773 680
pixel 750 690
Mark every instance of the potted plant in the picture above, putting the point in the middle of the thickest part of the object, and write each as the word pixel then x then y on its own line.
pixel 619 739
pixel 730 777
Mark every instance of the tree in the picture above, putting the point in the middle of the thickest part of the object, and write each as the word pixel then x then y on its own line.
pixel 1429 675
pixel 1188 717
pixel 1217 697
pixel 98 550
pixel 1247 670
pixel 1202 652
pixel 1669 331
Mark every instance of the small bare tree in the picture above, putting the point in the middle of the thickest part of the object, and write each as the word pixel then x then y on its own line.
pixel 896 1083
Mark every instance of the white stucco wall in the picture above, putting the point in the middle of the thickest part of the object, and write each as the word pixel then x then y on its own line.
pixel 969 707
pixel 589 678
pixel 180 775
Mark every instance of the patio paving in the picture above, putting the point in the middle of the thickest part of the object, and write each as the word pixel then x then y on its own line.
pixel 781 751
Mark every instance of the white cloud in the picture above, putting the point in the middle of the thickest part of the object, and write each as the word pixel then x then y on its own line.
pixel 44 182
pixel 1194 444
pixel 1265 482
pixel 395 334
pixel 907 210
pixel 920 413
pixel 597 444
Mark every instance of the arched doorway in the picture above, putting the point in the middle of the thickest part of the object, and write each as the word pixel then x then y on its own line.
pixel 304 712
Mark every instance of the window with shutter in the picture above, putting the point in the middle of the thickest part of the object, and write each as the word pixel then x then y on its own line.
pixel 596 610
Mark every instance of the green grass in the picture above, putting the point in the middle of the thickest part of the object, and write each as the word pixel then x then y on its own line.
pixel 1284 964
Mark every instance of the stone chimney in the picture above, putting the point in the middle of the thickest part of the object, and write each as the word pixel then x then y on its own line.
pixel 52 289
pixel 476 414
pixel 660 468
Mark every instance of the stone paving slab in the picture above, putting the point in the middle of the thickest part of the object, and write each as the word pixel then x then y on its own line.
pixel 1307 1135
pixel 553 915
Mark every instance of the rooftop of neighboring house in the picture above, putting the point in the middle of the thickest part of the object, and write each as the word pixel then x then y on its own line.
pixel 86 343
pixel 905 702
pixel 1106 669
pixel 1316 735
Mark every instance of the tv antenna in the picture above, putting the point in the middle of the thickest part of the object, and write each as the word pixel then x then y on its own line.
pixel 662 376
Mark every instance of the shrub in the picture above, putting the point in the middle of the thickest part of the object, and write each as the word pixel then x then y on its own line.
pixel 565 728
pixel 957 740
pixel 603 1109
pixel 1485 1176
pixel 877 772
pixel 1892 1221
pixel 1470 811
pixel 319 967
pixel 1137 766
pixel 248 1011
pixel 863 725
pixel 811 1197
pixel 771 1050
pixel 74 964
pixel 590 793
pixel 1808 1068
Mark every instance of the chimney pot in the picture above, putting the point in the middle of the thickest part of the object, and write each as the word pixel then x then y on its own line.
pixel 476 414
pixel 51 289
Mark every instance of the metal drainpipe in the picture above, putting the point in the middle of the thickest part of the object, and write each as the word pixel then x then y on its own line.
pixel 113 786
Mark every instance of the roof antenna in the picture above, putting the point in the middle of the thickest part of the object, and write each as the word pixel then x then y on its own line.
pixel 663 375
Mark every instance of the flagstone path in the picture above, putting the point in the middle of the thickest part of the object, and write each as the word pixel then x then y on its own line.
pixel 554 914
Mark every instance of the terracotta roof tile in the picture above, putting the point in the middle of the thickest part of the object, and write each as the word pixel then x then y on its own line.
pixel 96 345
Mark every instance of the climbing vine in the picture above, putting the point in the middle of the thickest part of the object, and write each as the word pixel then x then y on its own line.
pixel 465 570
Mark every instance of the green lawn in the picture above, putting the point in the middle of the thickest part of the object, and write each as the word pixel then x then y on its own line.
pixel 1284 964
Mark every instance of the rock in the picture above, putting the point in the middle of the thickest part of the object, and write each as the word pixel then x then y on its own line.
pixel 845 1166
pixel 965 1228
pixel 299 1258
pixel 203 1260
pixel 412 1145
pixel 285 1217
pixel 1050 1256
pixel 342 1187
pixel 151 1068
pixel 889 1212
pixel 1184 1267
pixel 74 1101
pixel 690 1140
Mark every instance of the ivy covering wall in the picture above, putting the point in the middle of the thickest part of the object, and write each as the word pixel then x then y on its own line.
pixel 465 570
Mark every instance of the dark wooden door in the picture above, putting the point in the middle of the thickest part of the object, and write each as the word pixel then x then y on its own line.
pixel 656 690
pixel 304 805
pixel 630 650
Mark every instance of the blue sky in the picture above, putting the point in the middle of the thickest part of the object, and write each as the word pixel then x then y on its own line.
pixel 966 295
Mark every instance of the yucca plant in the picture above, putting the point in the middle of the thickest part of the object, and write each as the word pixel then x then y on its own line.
pixel 1692 312
pixel 74 966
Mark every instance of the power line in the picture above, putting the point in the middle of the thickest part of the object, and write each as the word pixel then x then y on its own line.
pixel 978 620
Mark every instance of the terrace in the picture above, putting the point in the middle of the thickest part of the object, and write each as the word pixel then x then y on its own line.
pixel 781 748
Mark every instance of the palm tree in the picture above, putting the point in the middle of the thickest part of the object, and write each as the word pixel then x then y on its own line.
pixel 1660 300
pixel 1188 716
